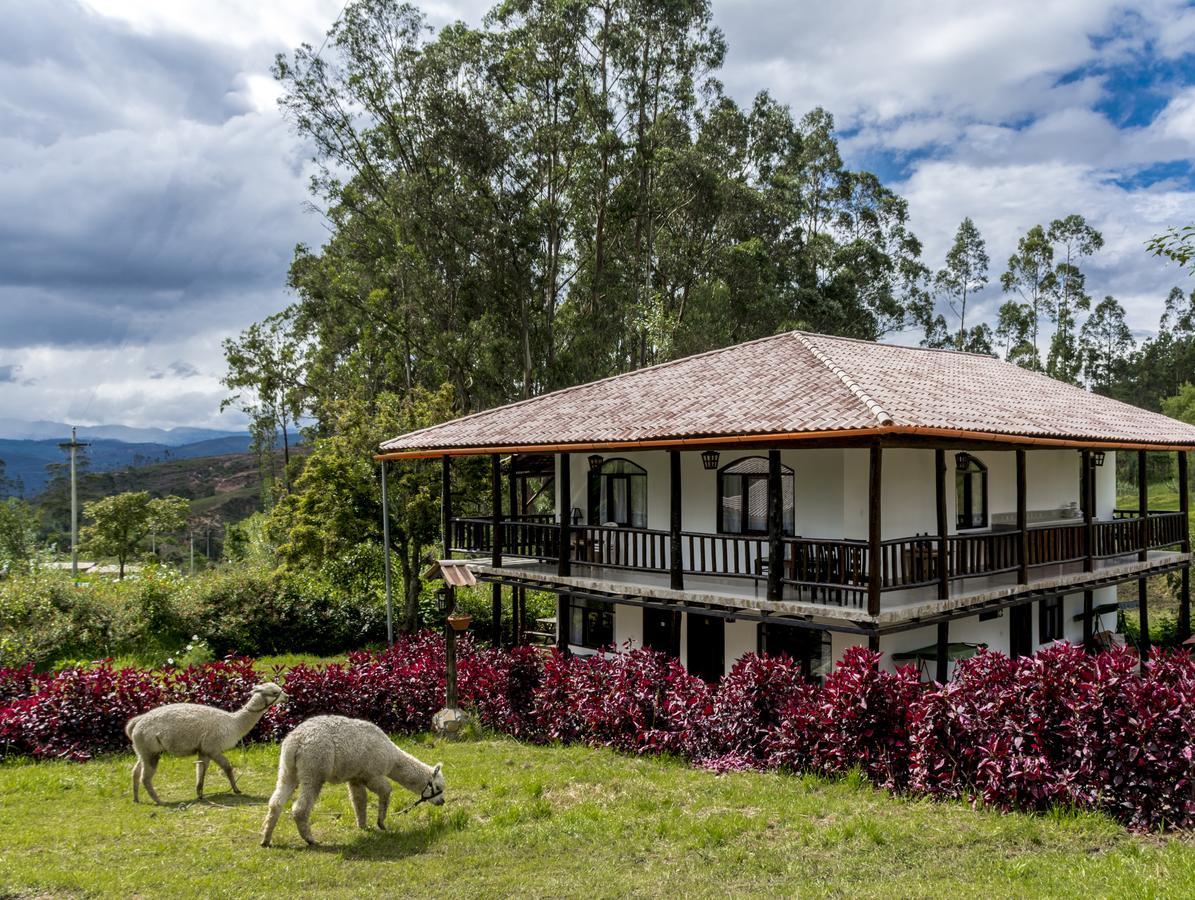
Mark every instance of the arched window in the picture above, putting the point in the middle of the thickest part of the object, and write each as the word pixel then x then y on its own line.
pixel 971 491
pixel 618 494
pixel 743 497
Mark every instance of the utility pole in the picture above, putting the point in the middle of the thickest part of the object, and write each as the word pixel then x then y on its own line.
pixel 74 446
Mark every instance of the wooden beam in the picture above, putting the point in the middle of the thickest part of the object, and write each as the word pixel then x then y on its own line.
pixel 943 650
pixel 875 562
pixel 496 555
pixel 1022 519
pixel 775 527
pixel 1184 596
pixel 676 562
pixel 1143 504
pixel 940 473
pixel 563 510
pixel 1088 500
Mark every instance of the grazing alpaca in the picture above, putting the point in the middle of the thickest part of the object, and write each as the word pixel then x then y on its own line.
pixel 336 749
pixel 183 729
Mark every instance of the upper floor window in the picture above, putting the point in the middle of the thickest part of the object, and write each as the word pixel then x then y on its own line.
pixel 743 497
pixel 971 491
pixel 618 494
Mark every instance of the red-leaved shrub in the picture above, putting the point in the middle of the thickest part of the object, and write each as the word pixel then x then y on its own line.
pixel 747 707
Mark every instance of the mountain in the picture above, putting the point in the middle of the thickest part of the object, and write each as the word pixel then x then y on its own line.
pixel 21 430
pixel 26 460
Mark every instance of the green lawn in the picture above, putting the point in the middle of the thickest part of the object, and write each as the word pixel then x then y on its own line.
pixel 556 822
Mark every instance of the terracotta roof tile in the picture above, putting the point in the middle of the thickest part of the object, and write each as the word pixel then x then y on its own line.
pixel 798 382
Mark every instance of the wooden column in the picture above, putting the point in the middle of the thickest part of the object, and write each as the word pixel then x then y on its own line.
pixel 943 650
pixel 873 642
pixel 386 558
pixel 1184 596
pixel 1088 607
pixel 449 591
pixel 775 527
pixel 943 532
pixel 1088 501
pixel 1143 505
pixel 1022 519
pixel 496 556
pixel 512 495
pixel 565 491
pixel 875 562
pixel 676 563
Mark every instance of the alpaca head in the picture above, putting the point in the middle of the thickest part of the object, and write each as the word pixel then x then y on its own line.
pixel 433 790
pixel 264 696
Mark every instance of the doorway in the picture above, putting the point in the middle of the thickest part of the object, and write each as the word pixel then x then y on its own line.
pixel 707 647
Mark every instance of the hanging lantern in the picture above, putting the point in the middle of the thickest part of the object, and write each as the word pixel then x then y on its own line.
pixel 1097 457
pixel 962 461
pixel 595 463
pixel 709 459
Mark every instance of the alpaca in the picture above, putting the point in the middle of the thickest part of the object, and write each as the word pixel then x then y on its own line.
pixel 182 729
pixel 337 749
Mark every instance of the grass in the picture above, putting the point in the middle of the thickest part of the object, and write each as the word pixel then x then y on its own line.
pixel 556 822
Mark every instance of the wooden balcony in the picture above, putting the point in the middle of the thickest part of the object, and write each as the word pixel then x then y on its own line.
pixel 832 574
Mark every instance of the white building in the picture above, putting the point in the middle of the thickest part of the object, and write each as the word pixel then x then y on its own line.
pixel 803 493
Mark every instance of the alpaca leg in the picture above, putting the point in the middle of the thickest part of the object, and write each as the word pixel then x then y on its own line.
pixel 149 765
pixel 137 780
pixel 308 794
pixel 200 774
pixel 381 787
pixel 360 802
pixel 282 792
pixel 223 763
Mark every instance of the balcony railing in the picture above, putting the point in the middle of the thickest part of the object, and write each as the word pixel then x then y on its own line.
pixel 834 571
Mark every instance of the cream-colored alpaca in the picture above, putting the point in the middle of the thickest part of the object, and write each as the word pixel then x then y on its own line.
pixel 184 729
pixel 337 750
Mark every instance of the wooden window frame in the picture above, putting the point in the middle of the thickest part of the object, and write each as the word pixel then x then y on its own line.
pixel 600 480
pixel 968 523
pixel 789 525
pixel 1050 621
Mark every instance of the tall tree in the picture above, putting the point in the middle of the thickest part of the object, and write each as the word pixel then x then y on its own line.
pixel 1030 274
pixel 1107 343
pixel 965 272
pixel 1014 333
pixel 121 522
pixel 1073 240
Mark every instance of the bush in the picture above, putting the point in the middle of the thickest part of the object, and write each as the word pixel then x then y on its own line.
pixel 1058 728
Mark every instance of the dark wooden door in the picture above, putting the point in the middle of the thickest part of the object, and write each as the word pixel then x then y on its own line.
pixel 706 646
pixel 1020 630
pixel 661 630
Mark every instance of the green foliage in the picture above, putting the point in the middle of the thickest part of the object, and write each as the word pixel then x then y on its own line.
pixel 965 272
pixel 121 523
pixel 1163 629
pixel 18 534
pixel 1176 243
pixel 1182 405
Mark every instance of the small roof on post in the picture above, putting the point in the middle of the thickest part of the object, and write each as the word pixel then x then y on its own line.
pixel 455 572
pixel 798 387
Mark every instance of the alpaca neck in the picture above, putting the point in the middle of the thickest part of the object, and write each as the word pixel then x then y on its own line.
pixel 414 775
pixel 246 718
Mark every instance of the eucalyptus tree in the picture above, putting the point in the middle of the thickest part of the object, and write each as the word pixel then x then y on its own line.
pixel 1030 274
pixel 965 272
pixel 1073 240
pixel 1014 330
pixel 1107 342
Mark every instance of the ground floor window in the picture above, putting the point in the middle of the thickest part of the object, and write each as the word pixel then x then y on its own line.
pixel 706 647
pixel 592 623
pixel 1049 624
pixel 661 630
pixel 812 649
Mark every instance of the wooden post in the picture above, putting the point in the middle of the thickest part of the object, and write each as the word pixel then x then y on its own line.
pixel 1143 505
pixel 386 558
pixel 943 533
pixel 1143 644
pixel 873 642
pixel 450 699
pixel 1184 596
pixel 1022 519
pixel 676 563
pixel 496 544
pixel 1088 607
pixel 512 496
pixel 1088 500
pixel 875 562
pixel 775 527
pixel 943 650
pixel 564 553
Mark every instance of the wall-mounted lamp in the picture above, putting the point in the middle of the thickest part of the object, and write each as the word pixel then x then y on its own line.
pixel 709 459
pixel 577 516
pixel 1097 457
pixel 962 461
pixel 595 463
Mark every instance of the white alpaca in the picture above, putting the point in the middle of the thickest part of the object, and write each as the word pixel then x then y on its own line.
pixel 336 749
pixel 183 729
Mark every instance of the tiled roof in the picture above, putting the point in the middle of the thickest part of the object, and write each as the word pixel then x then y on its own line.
pixel 798 383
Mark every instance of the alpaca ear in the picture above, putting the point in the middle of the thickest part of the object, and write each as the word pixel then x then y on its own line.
pixel 436 769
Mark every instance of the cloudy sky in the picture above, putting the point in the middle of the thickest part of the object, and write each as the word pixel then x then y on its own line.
pixel 152 196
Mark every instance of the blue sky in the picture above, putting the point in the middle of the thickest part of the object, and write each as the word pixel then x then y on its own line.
pixel 153 195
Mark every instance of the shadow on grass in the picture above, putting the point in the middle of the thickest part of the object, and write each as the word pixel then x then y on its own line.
pixel 227 799
pixel 400 840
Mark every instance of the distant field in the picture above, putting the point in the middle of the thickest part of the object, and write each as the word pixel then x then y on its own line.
pixel 556 822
